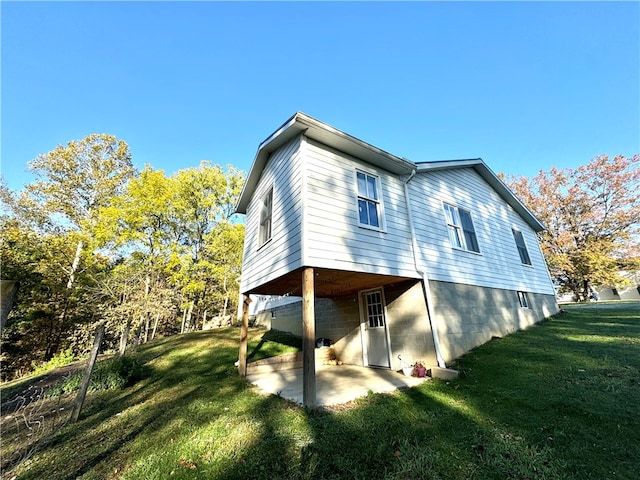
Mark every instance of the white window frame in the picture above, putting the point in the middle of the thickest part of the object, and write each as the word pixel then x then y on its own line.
pixel 265 219
pixel 459 236
pixel 368 199
pixel 523 299
pixel 523 251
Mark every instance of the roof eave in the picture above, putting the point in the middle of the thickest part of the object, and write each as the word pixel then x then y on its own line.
pixel 314 129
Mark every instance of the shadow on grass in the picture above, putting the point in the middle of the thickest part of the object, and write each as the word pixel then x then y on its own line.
pixel 270 344
pixel 557 401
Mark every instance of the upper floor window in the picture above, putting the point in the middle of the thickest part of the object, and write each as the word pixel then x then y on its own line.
pixel 368 200
pixel 522 247
pixel 266 213
pixel 461 231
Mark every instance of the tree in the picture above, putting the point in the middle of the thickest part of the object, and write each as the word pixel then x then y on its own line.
pixel 165 225
pixel 138 226
pixel 72 183
pixel 203 202
pixel 592 216
pixel 37 261
pixel 225 249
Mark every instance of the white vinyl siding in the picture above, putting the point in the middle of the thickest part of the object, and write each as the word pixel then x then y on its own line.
pixel 283 253
pixel 499 265
pixel 333 234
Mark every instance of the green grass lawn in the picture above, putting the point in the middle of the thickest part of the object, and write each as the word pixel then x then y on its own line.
pixel 560 400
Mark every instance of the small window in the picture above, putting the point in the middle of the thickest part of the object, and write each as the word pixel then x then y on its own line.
pixel 368 201
pixel 266 213
pixel 522 247
pixel 460 226
pixel 523 299
pixel 375 309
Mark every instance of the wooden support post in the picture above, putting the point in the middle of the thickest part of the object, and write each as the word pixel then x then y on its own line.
pixel 308 339
pixel 244 327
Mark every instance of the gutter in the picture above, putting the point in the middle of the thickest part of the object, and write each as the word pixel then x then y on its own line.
pixel 423 273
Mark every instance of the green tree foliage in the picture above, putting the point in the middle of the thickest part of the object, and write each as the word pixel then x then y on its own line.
pixel 202 205
pixel 592 216
pixel 56 215
pixel 93 241
pixel 39 262
pixel 73 181
pixel 168 227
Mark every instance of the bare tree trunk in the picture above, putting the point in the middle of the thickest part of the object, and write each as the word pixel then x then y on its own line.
pixel 204 319
pixel 139 331
pixel 63 315
pixel 226 296
pixel 147 289
pixel 82 393
pixel 189 316
pixel 146 328
pixel 124 337
pixel 184 318
pixel 74 265
pixel 155 326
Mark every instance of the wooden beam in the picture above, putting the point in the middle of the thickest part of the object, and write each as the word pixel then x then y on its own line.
pixel 308 339
pixel 244 327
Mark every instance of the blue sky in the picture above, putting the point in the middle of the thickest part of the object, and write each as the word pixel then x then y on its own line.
pixel 524 85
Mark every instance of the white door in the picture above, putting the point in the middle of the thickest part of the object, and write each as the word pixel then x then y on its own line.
pixel 375 330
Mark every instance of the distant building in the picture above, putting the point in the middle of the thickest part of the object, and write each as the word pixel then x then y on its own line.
pixel 631 292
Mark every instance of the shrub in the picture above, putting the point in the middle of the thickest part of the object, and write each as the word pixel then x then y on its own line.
pixel 60 359
pixel 112 374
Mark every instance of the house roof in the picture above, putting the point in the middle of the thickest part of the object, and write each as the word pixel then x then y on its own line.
pixel 323 133
pixel 328 135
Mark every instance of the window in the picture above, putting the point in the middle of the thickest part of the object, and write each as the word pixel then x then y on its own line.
pixel 523 299
pixel 368 201
pixel 522 247
pixel 375 310
pixel 266 212
pixel 461 231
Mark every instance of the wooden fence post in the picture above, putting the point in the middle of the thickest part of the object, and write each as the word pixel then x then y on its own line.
pixel 82 393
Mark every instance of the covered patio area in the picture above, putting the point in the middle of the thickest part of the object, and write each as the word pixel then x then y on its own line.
pixel 335 385
pixel 311 283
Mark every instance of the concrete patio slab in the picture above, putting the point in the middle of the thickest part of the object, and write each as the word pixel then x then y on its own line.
pixel 334 384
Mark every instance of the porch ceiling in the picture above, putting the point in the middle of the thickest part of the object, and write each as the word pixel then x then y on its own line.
pixel 328 283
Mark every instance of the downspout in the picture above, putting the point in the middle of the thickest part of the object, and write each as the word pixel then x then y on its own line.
pixel 423 273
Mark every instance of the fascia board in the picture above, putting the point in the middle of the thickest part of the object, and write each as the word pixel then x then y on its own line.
pixel 282 135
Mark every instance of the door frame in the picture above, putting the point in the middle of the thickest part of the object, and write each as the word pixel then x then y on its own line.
pixel 364 321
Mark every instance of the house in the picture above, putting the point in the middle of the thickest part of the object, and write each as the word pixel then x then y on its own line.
pixel 630 291
pixel 393 260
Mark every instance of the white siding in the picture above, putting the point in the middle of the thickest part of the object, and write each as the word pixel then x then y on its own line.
pixel 498 263
pixel 282 253
pixel 333 237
